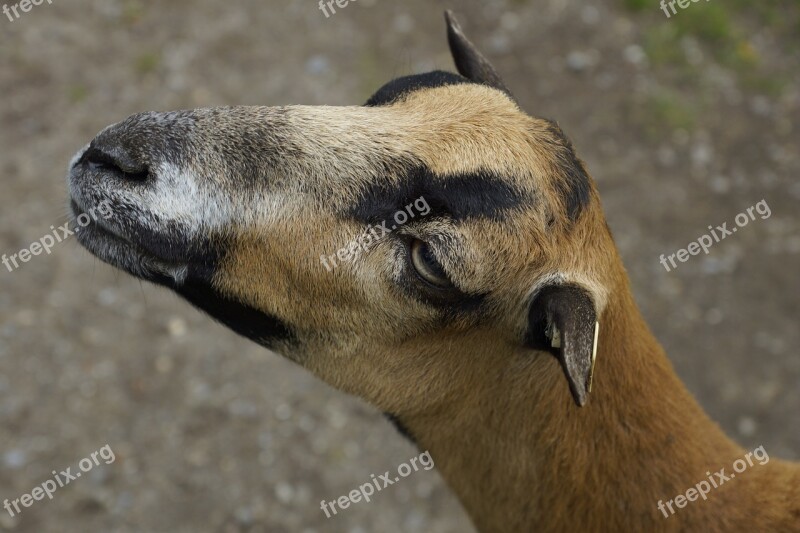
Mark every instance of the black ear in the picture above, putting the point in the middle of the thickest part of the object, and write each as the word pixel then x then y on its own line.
pixel 469 61
pixel 562 320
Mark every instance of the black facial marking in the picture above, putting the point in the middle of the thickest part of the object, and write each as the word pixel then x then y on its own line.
pixel 482 194
pixel 150 138
pixel 400 87
pixel 400 427
pixel 252 154
pixel 171 245
pixel 574 185
pixel 247 321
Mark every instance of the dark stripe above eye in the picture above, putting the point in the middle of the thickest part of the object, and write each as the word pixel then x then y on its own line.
pixel 482 194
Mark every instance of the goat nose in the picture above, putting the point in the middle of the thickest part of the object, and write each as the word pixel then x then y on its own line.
pixel 114 161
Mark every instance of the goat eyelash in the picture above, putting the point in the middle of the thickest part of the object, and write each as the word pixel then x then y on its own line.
pixel 426 265
pixel 417 287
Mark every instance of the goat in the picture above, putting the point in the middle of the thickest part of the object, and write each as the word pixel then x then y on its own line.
pixel 474 327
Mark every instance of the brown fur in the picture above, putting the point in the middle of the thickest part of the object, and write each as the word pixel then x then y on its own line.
pixel 497 417
pixel 500 423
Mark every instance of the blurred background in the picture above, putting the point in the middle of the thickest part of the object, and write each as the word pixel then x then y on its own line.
pixel 684 122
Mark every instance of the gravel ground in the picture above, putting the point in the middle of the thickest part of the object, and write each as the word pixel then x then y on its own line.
pixel 684 124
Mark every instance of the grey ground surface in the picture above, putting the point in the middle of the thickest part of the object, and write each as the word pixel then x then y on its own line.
pixel 682 124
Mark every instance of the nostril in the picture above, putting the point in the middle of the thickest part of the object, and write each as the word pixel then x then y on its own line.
pixel 123 167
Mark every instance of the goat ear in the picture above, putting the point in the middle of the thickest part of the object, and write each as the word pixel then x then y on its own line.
pixel 562 320
pixel 469 61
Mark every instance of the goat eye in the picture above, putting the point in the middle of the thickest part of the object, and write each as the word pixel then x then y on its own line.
pixel 427 266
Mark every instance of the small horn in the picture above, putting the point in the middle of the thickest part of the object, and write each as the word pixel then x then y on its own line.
pixel 469 61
